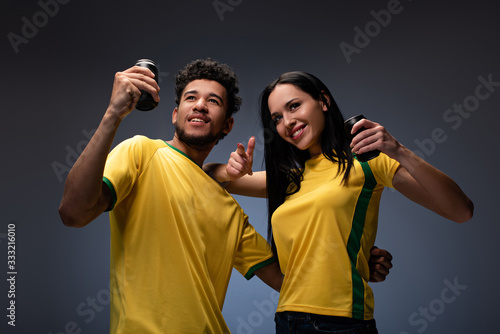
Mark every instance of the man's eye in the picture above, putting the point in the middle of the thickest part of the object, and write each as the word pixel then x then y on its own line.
pixel 214 101
pixel 190 98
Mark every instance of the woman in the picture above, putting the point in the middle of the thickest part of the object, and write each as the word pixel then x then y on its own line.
pixel 323 203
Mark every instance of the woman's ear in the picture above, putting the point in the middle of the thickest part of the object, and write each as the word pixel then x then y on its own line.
pixel 325 100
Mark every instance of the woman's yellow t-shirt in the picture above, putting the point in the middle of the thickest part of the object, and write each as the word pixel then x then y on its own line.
pixel 324 234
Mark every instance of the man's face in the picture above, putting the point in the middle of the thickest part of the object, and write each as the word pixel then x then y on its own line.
pixel 200 118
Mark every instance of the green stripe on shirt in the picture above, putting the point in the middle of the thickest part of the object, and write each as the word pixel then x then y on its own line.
pixel 354 241
pixel 250 273
pixel 112 190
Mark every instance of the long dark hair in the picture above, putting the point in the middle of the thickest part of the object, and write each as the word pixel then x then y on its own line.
pixel 283 161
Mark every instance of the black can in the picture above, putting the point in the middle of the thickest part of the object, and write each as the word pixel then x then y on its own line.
pixel 348 124
pixel 146 101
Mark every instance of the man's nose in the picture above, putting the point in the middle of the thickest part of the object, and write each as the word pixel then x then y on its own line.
pixel 201 105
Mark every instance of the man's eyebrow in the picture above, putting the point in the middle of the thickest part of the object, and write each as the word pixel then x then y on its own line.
pixel 194 91
pixel 218 97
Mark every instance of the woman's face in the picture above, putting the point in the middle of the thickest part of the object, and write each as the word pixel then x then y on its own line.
pixel 299 118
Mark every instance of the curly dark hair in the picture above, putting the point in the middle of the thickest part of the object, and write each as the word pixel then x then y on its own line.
pixel 211 70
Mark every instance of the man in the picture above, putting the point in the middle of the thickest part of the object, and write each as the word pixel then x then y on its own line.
pixel 175 233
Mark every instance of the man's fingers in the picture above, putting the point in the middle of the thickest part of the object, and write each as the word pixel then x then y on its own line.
pixel 375 277
pixel 380 264
pixel 149 86
pixel 381 269
pixel 375 251
pixel 139 81
pixel 381 261
pixel 140 69
pixel 378 272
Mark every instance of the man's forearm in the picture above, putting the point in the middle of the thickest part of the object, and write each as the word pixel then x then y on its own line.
pixel 271 275
pixel 83 196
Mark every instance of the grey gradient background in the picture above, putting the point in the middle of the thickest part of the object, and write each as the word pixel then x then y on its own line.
pixel 430 56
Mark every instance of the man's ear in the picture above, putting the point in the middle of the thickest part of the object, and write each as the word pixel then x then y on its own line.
pixel 174 116
pixel 324 97
pixel 228 125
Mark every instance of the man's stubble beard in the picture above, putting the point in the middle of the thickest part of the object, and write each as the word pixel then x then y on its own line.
pixel 197 142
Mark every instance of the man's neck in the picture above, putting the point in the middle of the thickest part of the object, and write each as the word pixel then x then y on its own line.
pixel 198 155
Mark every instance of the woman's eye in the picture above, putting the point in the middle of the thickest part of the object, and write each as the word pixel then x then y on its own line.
pixel 294 106
pixel 277 119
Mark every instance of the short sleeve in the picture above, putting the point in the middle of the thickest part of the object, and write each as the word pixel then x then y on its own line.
pixel 253 251
pixel 124 165
pixel 383 169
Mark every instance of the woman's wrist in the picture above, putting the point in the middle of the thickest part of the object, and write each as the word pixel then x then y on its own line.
pixel 217 172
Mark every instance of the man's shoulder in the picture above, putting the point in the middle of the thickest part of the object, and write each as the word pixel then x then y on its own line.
pixel 138 147
pixel 145 141
pixel 141 143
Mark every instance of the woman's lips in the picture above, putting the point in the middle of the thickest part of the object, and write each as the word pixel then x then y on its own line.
pixel 297 132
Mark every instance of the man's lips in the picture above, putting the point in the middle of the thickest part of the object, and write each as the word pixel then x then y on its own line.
pixel 198 118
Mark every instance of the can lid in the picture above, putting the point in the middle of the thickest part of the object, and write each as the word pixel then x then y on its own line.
pixel 357 118
pixel 147 61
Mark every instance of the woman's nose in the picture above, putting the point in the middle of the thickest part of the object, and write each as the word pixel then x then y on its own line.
pixel 288 120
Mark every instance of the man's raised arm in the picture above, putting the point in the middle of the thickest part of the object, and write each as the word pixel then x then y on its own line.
pixel 85 195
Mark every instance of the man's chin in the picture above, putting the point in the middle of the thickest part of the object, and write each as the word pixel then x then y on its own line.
pixel 197 143
pixel 200 141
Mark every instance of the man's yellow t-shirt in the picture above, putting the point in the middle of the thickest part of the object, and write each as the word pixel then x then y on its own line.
pixel 175 237
pixel 324 234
